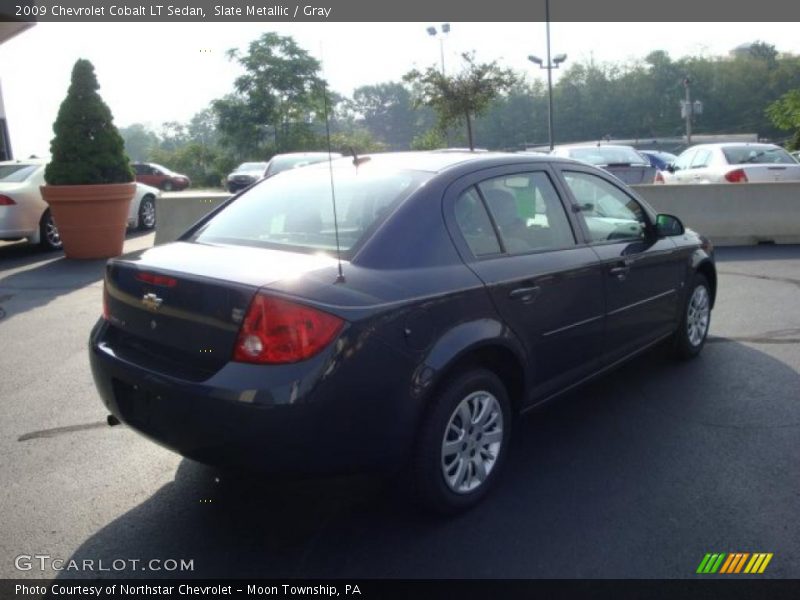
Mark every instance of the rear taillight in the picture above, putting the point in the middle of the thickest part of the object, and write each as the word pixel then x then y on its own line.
pixel 153 279
pixel 6 201
pixel 276 331
pixel 736 176
pixel 659 177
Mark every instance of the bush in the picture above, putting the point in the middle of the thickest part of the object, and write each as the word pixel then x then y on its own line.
pixel 87 148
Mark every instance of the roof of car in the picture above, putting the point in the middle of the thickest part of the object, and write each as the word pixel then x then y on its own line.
pixel 594 146
pixel 734 145
pixel 435 161
pixel 26 161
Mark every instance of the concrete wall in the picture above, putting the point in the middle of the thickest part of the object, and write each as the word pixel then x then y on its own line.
pixel 732 214
pixel 177 211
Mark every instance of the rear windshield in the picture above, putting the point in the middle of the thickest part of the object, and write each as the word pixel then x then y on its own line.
pixel 284 163
pixel 604 155
pixel 739 155
pixel 16 173
pixel 252 166
pixel 295 210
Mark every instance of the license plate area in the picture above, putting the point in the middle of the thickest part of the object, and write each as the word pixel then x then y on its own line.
pixel 135 403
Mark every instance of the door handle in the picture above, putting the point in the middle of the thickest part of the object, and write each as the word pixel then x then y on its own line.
pixel 525 294
pixel 619 271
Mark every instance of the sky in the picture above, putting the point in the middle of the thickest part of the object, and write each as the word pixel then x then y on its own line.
pixel 156 72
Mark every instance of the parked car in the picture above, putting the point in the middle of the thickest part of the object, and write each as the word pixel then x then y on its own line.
pixel 658 159
pixel 25 215
pixel 471 288
pixel 160 177
pixel 733 163
pixel 623 161
pixel 292 160
pixel 244 175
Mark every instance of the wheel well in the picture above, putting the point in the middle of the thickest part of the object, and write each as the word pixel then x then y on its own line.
pixel 498 359
pixel 706 269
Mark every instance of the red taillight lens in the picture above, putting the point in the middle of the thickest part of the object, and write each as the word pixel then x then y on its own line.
pixel 6 201
pixel 659 177
pixel 736 176
pixel 277 331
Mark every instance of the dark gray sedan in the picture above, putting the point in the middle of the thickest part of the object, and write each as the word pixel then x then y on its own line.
pixel 622 161
pixel 408 325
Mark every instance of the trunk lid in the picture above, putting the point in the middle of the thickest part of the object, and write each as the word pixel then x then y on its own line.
pixel 632 174
pixel 183 303
pixel 771 172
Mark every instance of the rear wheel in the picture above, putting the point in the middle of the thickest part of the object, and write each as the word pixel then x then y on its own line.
pixel 147 213
pixel 693 330
pixel 462 442
pixel 49 238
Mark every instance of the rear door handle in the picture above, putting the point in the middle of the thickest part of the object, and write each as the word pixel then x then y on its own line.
pixel 525 294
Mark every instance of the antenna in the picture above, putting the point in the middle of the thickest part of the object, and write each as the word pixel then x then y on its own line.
pixel 340 277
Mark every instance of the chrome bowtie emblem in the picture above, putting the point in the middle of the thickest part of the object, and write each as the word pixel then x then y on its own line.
pixel 151 301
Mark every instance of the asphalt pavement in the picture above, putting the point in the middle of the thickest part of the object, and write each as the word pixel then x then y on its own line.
pixel 637 475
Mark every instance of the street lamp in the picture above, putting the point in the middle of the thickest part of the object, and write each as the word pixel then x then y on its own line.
pixel 551 64
pixel 689 109
pixel 433 33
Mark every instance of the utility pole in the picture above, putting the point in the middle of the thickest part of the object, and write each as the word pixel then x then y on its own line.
pixel 687 108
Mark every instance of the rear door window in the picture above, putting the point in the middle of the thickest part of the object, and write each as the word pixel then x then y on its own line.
pixel 475 225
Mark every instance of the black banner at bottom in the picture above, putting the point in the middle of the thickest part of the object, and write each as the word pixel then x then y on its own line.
pixel 464 589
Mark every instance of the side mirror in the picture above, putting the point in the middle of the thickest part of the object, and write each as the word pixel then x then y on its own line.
pixel 669 225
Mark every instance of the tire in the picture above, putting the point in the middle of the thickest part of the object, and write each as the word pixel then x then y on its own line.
pixel 147 214
pixel 167 186
pixel 449 458
pixel 49 239
pixel 695 319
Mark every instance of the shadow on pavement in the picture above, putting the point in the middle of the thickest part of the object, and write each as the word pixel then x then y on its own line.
pixel 636 475
pixel 30 278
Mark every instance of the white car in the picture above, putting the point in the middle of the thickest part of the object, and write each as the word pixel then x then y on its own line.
pixel 24 214
pixel 732 163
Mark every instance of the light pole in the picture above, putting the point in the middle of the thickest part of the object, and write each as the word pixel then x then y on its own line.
pixel 433 33
pixel 551 64
pixel 689 109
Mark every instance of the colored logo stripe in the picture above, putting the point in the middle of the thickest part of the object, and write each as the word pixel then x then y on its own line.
pixel 734 563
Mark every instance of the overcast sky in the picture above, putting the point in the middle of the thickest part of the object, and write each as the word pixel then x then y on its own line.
pixel 156 72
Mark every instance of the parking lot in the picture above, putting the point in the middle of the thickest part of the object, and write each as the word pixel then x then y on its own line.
pixel 637 475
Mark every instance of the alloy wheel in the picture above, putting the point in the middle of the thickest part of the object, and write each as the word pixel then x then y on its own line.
pixel 697 316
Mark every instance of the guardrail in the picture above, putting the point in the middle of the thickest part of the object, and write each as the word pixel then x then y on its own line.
pixel 729 214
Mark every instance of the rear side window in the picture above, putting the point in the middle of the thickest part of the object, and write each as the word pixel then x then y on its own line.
pixel 295 211
pixel 701 159
pixel 474 223
pixel 528 212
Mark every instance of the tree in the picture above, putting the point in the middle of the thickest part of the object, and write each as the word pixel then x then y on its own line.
pixel 279 96
pixel 387 111
pixel 139 141
pixel 87 148
pixel 461 96
pixel 785 114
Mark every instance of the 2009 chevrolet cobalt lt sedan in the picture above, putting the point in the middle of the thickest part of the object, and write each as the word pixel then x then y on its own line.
pixel 472 288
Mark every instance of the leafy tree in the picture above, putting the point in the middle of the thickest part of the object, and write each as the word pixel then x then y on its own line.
pixel 387 110
pixel 785 114
pixel 430 140
pixel 139 141
pixel 461 96
pixel 87 148
pixel 278 97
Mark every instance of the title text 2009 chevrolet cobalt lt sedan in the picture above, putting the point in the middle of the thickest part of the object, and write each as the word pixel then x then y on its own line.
pixel 473 287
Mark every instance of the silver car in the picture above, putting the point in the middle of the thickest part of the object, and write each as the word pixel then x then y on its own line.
pixel 25 215
pixel 622 161
pixel 733 163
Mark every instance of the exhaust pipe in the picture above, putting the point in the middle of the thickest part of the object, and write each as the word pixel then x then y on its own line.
pixel 112 420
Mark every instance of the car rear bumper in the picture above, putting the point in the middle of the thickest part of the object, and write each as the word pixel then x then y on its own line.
pixel 303 419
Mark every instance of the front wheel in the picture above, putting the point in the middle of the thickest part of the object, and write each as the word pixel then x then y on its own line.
pixel 695 321
pixel 462 442
pixel 167 186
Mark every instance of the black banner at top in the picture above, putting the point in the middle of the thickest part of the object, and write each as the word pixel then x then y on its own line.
pixel 408 10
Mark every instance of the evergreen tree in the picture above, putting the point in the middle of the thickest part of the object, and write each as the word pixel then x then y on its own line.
pixel 87 148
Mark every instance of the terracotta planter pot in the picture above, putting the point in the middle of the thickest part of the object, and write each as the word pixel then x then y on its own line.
pixel 91 219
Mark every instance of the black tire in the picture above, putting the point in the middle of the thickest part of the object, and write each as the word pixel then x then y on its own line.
pixel 428 467
pixel 687 345
pixel 49 239
pixel 167 186
pixel 146 219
